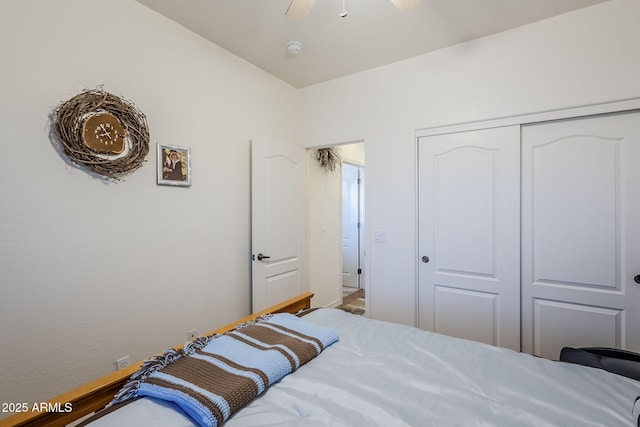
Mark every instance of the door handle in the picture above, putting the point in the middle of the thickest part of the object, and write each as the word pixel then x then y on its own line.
pixel 261 257
pixel 425 259
pixel 637 279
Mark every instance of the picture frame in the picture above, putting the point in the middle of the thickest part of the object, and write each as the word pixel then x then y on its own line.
pixel 174 165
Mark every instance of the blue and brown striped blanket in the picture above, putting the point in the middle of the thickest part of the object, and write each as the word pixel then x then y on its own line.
pixel 212 377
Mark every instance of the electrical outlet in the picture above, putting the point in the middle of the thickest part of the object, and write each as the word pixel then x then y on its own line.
pixel 192 335
pixel 122 363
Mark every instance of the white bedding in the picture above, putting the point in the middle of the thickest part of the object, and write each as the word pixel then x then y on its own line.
pixel 385 374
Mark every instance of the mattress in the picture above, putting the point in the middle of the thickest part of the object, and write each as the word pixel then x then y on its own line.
pixel 386 374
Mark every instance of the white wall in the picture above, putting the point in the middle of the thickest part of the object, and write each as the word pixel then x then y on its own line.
pixel 584 57
pixel 90 270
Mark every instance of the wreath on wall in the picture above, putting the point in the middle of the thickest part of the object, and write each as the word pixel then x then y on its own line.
pixel 330 158
pixel 103 133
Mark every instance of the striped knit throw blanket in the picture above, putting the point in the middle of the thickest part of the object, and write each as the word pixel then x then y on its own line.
pixel 212 377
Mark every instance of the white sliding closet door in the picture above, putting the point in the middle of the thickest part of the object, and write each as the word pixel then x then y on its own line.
pixel 581 234
pixel 469 235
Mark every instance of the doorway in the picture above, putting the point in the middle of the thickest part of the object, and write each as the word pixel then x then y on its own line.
pixel 352 243
pixel 352 218
pixel 325 229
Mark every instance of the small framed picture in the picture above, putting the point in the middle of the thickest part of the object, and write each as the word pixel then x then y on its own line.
pixel 174 165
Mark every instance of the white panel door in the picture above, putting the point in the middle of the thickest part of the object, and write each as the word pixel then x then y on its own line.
pixel 277 221
pixel 469 235
pixel 350 221
pixel 581 234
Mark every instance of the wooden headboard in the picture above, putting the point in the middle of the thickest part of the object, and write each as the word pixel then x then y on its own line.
pixel 96 394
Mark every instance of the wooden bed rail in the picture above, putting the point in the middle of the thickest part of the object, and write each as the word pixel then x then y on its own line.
pixel 96 394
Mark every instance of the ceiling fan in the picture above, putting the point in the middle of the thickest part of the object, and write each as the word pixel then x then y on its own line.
pixel 301 8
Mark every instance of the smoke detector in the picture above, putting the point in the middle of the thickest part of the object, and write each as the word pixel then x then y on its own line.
pixel 294 48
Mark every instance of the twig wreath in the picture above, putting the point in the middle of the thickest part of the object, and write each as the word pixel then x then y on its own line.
pixel 329 158
pixel 87 126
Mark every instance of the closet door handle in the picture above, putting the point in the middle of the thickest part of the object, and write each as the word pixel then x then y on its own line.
pixel 637 279
pixel 425 259
pixel 261 257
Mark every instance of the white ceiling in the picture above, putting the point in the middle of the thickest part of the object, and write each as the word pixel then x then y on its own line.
pixel 374 33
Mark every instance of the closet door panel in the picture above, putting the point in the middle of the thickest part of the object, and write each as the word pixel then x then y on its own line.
pixel 465 241
pixel 580 233
pixel 469 235
pixel 590 326
pixel 453 304
pixel 574 182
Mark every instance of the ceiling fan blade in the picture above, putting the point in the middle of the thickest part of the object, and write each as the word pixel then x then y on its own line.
pixel 404 5
pixel 299 8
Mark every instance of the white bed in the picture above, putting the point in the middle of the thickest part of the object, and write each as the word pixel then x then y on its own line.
pixel 385 374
